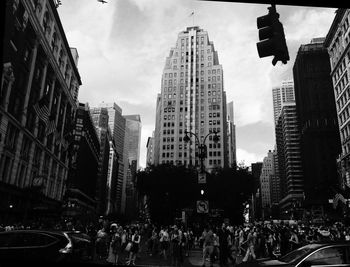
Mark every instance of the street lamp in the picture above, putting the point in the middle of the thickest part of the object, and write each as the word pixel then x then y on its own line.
pixel 201 146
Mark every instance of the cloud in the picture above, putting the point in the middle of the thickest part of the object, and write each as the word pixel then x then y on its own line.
pixel 246 157
pixel 123 46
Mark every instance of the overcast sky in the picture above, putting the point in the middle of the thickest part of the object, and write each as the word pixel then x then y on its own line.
pixel 123 45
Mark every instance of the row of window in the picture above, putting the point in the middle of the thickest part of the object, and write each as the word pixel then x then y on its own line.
pixel 57 45
pixel 343 101
pixel 170 83
pixel 197 66
pixel 214 162
pixel 22 179
pixel 341 41
pixel 171 75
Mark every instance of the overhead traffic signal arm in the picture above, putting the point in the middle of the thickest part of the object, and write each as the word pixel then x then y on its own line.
pixel 272 38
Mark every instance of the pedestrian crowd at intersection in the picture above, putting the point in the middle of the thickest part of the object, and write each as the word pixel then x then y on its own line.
pixel 223 244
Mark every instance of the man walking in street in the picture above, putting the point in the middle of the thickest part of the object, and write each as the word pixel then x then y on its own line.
pixel 251 243
pixel 208 247
pixel 223 241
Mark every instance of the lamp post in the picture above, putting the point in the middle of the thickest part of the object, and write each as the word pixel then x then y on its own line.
pixel 201 145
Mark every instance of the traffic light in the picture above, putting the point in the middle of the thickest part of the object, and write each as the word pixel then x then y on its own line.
pixel 271 36
pixel 203 151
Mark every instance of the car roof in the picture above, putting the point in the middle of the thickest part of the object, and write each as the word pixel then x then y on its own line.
pixel 55 232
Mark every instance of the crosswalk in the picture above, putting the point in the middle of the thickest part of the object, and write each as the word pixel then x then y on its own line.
pixel 195 259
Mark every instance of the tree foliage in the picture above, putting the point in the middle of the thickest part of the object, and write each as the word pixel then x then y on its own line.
pixel 172 188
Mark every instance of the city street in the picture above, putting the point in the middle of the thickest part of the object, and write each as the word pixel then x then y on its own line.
pixel 158 133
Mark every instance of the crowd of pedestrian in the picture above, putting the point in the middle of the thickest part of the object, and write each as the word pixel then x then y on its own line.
pixel 224 244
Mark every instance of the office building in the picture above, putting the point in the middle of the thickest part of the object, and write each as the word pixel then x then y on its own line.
pixel 337 43
pixel 106 187
pixel 192 99
pixel 38 98
pixel 231 136
pixel 132 150
pixel 116 123
pixel 289 157
pixel 150 151
pixel 318 124
pixel 280 95
pixel 256 198
pixel 266 171
pixel 82 176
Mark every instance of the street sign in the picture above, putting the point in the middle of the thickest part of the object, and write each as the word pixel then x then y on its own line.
pixel 202 177
pixel 202 206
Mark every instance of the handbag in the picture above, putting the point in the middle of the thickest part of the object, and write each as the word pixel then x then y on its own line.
pixel 128 246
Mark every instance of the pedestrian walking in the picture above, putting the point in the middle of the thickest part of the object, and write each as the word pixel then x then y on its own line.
pixel 208 247
pixel 175 242
pixel 115 244
pixel 164 242
pixel 135 240
pixel 101 244
pixel 293 240
pixel 223 234
pixel 250 246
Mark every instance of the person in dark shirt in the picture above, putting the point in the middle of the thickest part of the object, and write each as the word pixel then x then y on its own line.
pixel 223 244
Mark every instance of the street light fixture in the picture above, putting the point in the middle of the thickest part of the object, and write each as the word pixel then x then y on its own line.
pixel 201 146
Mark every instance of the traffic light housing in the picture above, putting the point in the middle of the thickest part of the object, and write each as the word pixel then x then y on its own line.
pixel 203 151
pixel 272 38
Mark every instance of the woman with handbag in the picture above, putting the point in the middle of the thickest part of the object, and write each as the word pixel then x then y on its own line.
pixel 135 240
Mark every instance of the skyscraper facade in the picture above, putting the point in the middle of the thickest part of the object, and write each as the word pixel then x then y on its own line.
pixel 275 186
pixel 82 176
pixel 337 43
pixel 280 95
pixel 106 186
pixel 150 151
pixel 256 198
pixel 265 177
pixel 38 98
pixel 318 124
pixel 133 137
pixel 116 123
pixel 192 99
pixel 289 157
pixel 132 150
pixel 231 136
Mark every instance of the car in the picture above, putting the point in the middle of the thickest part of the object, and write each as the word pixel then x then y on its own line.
pixel 44 245
pixel 319 254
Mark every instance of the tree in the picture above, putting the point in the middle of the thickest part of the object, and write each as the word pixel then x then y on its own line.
pixel 172 188
pixel 168 187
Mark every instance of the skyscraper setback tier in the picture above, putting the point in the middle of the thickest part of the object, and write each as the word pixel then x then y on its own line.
pixel 191 99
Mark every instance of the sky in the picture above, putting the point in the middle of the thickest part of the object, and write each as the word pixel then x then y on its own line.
pixel 123 44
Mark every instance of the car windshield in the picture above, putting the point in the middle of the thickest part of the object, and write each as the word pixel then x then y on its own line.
pixel 298 253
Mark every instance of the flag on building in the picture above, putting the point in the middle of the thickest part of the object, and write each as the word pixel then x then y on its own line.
pixel 41 108
pixel 51 125
pixel 57 138
pixel 65 144
pixel 336 199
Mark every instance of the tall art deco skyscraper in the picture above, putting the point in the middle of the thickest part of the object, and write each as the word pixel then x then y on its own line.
pixel 191 99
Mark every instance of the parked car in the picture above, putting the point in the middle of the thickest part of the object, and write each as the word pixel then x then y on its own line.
pixel 319 254
pixel 42 245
